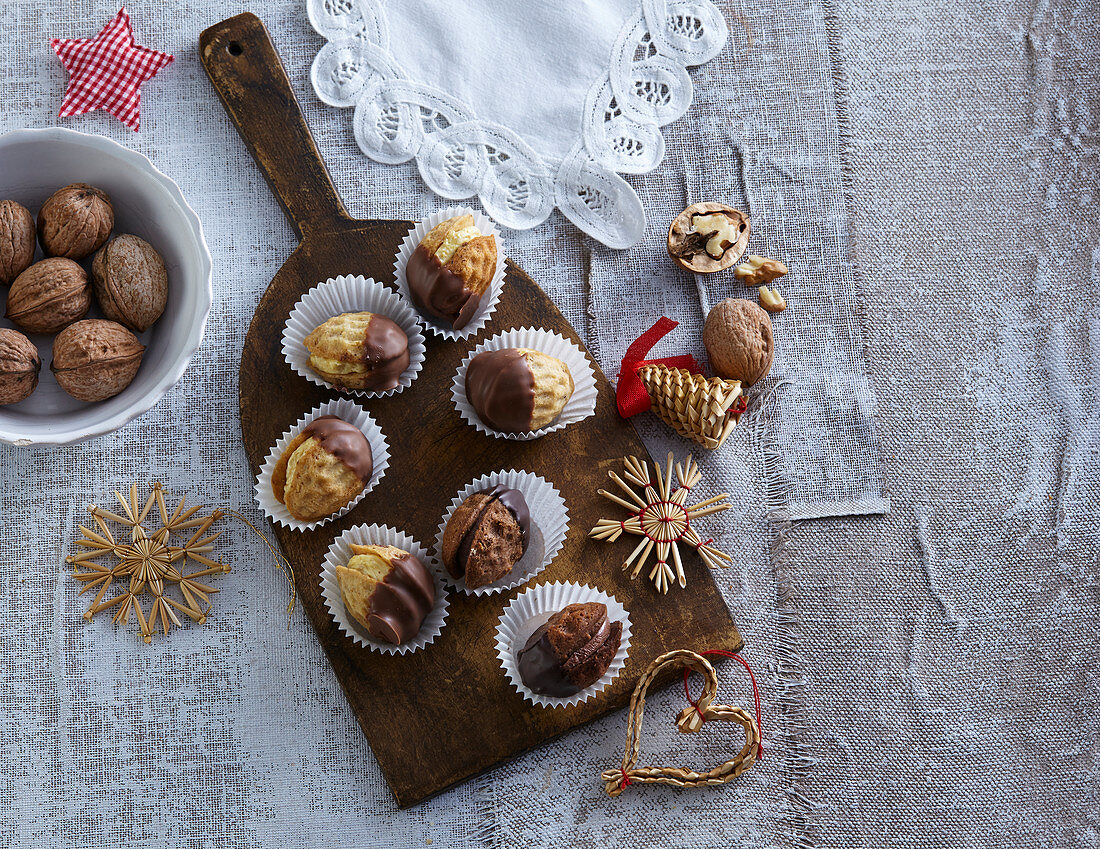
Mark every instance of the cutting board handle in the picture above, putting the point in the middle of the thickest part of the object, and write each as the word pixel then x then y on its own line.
pixel 250 79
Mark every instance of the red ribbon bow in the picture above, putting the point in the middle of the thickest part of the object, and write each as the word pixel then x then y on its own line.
pixel 630 395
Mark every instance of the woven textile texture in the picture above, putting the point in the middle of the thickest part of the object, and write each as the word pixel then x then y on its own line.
pixel 928 677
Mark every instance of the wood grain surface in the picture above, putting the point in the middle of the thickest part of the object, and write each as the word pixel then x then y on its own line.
pixel 446 713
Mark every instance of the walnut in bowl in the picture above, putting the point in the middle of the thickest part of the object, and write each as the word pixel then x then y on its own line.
pixel 146 203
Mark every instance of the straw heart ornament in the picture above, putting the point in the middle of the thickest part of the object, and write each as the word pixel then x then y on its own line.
pixel 660 517
pixel 689 721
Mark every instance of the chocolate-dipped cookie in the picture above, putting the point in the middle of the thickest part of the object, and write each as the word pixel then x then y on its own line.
pixel 322 469
pixel 386 590
pixel 486 536
pixel 451 269
pixel 359 350
pixel 571 651
pixel 515 390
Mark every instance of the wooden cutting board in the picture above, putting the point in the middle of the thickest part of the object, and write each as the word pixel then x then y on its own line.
pixel 446 713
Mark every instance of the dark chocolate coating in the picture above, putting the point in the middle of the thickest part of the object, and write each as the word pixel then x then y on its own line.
pixel 345 442
pixel 512 499
pixel 553 671
pixel 438 291
pixel 501 388
pixel 401 601
pixel 386 351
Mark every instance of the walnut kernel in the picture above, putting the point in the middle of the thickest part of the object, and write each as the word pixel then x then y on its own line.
pixel 771 300
pixel 758 270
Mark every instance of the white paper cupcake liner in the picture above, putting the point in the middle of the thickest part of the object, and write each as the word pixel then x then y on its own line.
pixel 549 526
pixel 489 298
pixel 350 294
pixel 580 405
pixel 339 553
pixel 350 412
pixel 532 608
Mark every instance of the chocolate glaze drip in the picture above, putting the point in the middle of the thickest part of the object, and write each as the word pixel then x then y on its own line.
pixel 541 669
pixel 512 499
pixel 400 603
pixel 501 388
pixel 438 291
pixel 345 442
pixel 386 351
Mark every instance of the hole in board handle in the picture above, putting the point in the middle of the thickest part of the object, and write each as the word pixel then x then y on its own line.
pixel 235 48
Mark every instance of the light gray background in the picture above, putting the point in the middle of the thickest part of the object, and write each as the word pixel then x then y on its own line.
pixel 929 676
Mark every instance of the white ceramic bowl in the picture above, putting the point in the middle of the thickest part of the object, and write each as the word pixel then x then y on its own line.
pixel 34 164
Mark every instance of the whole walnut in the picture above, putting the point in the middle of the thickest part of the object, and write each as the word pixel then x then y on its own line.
pixel 19 365
pixel 95 359
pixel 131 283
pixel 16 240
pixel 75 221
pixel 739 342
pixel 49 295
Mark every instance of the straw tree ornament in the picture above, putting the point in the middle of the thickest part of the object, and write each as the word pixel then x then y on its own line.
pixel 150 561
pixel 703 409
pixel 660 517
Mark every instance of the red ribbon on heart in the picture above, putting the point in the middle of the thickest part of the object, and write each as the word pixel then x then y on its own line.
pixel 630 394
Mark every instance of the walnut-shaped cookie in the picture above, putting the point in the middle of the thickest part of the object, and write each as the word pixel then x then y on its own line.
pixel 451 269
pixel 486 536
pixel 359 350
pixel 708 237
pixel 323 468
pixel 516 390
pixel 739 341
pixel 571 651
pixel 386 590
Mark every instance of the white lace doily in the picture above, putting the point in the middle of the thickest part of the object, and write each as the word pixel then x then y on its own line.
pixel 528 104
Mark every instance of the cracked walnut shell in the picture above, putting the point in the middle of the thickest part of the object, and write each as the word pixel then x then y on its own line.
pixel 49 295
pixel 708 237
pixel 75 221
pixel 131 282
pixel 739 341
pixel 16 240
pixel 19 365
pixel 95 359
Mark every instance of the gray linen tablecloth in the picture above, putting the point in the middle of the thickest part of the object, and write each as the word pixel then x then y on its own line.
pixel 928 673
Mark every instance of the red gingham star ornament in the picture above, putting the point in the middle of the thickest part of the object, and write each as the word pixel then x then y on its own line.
pixel 107 72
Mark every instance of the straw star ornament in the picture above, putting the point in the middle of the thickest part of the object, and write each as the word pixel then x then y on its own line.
pixel 660 517
pixel 149 562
